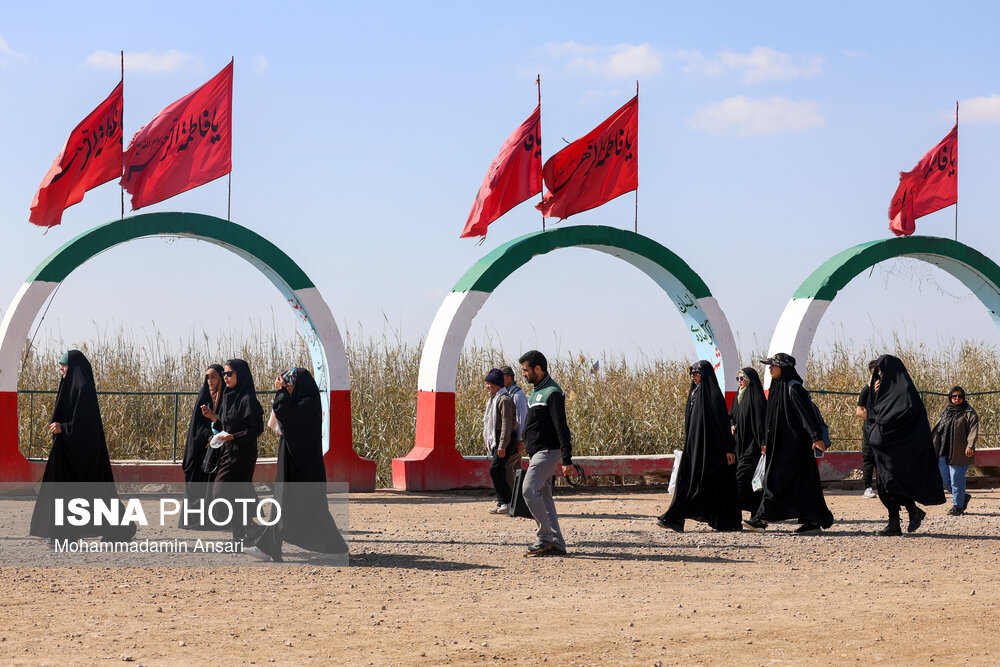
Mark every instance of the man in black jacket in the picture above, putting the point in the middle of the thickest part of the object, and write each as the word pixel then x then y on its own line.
pixel 547 441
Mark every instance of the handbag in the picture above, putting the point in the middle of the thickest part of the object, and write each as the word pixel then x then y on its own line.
pixel 210 463
pixel 517 505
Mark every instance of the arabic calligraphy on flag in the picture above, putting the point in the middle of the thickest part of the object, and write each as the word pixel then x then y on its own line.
pixel 91 156
pixel 187 144
pixel 930 186
pixel 596 168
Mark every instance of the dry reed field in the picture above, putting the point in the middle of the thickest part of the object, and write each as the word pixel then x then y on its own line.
pixel 618 407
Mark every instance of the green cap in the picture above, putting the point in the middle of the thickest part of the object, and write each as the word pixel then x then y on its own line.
pixel 65 358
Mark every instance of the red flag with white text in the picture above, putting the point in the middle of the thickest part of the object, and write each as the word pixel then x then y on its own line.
pixel 595 169
pixel 930 186
pixel 514 175
pixel 91 156
pixel 186 145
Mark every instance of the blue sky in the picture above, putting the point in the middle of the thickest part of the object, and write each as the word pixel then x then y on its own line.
pixel 771 137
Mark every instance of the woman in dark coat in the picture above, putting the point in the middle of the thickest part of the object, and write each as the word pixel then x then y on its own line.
pixel 78 464
pixel 792 488
pixel 300 484
pixel 747 418
pixel 706 481
pixel 197 482
pixel 900 438
pixel 242 419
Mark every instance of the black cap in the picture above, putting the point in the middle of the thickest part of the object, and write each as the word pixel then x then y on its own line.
pixel 780 359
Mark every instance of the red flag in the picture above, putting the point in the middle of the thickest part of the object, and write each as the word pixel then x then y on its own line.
pixel 932 185
pixel 595 169
pixel 186 145
pixel 514 175
pixel 92 156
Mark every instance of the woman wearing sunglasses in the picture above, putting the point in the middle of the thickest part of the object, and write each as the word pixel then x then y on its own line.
pixel 748 427
pixel 955 438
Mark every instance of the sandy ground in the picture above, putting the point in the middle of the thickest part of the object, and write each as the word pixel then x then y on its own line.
pixel 434 579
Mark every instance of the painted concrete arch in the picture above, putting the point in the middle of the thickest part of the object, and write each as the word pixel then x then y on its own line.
pixel 434 462
pixel 799 321
pixel 326 346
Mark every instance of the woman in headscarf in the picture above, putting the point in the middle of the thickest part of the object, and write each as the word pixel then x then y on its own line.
pixel 706 480
pixel 748 425
pixel 955 438
pixel 300 484
pixel 198 482
pixel 792 488
pixel 79 456
pixel 900 438
pixel 241 418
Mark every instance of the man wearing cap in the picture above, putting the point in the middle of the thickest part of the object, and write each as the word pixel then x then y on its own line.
pixel 792 488
pixel 520 403
pixel 500 438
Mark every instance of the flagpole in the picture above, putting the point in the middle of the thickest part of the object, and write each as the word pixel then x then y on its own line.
pixel 229 187
pixel 956 172
pixel 538 84
pixel 637 184
pixel 123 123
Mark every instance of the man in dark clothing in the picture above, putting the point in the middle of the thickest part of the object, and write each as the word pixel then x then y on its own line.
pixel 867 458
pixel 547 441
pixel 500 438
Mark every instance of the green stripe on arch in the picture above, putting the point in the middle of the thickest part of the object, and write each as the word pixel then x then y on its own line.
pixel 834 274
pixel 74 253
pixel 486 274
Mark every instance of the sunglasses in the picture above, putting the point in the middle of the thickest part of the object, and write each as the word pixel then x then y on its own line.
pixel 741 378
pixel 693 373
pixel 958 395
pixel 226 374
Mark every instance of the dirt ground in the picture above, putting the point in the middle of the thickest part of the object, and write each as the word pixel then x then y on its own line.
pixel 434 579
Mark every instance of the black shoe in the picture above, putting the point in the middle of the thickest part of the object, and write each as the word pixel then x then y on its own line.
pixel 548 549
pixel 891 529
pixel 809 529
pixel 955 511
pixel 756 525
pixel 676 526
pixel 968 497
pixel 915 519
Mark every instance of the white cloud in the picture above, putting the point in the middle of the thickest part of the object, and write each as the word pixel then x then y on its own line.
pixel 977 110
pixel 143 61
pixel 743 116
pixel 761 65
pixel 612 62
pixel 259 63
pixel 7 54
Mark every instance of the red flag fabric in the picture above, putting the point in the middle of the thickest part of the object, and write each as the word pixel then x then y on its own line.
pixel 514 175
pixel 92 156
pixel 186 145
pixel 929 187
pixel 595 169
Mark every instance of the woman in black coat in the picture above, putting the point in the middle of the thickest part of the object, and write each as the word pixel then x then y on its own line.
pixel 300 484
pixel 197 482
pixel 747 418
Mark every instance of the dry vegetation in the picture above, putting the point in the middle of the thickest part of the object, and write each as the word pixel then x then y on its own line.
pixel 619 408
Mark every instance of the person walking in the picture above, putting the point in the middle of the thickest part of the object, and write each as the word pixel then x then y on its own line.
pixel 706 480
pixel 197 482
pixel 955 436
pixel 500 438
pixel 748 425
pixel 520 402
pixel 792 488
pixel 903 446
pixel 547 441
pixel 867 458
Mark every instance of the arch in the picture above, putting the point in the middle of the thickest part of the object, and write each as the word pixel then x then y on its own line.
pixel 799 321
pixel 326 347
pixel 434 462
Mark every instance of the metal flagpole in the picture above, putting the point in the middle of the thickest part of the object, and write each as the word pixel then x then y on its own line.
pixel 123 126
pixel 229 193
pixel 538 84
pixel 637 184
pixel 956 172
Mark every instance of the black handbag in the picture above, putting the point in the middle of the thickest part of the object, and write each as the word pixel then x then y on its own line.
pixel 517 505
pixel 210 462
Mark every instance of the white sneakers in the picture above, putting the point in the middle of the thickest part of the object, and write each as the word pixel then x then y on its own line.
pixel 869 493
pixel 500 509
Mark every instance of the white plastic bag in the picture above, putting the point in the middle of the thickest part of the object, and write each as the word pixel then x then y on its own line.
pixel 273 424
pixel 217 440
pixel 673 473
pixel 758 475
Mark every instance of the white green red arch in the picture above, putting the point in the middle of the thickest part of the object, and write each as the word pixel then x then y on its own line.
pixel 799 321
pixel 326 346
pixel 434 462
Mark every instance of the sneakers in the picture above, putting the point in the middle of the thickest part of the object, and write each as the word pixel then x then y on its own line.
pixel 256 552
pixel 756 525
pixel 500 509
pixel 869 493
pixel 547 549
pixel 809 529
pixel 676 526
pixel 915 520
pixel 955 511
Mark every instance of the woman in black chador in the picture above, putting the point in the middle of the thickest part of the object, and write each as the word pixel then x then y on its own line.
pixel 900 437
pixel 747 418
pixel 79 456
pixel 300 484
pixel 197 482
pixel 242 419
pixel 792 488
pixel 706 480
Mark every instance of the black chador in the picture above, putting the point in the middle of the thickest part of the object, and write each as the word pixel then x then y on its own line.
pixel 242 417
pixel 706 481
pixel 792 488
pixel 900 438
pixel 78 464
pixel 197 482
pixel 747 418
pixel 300 485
